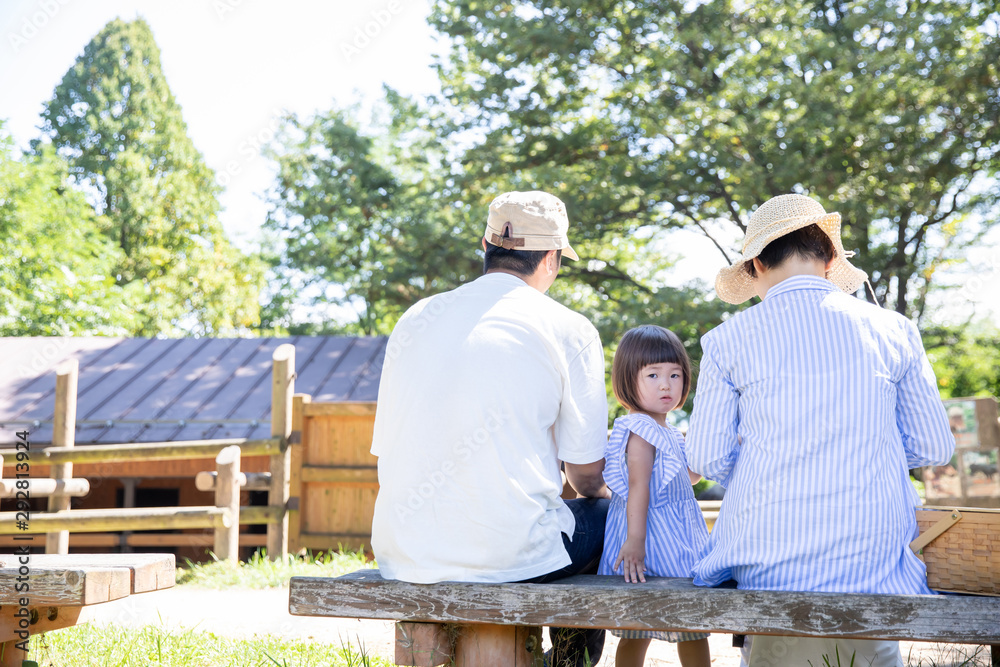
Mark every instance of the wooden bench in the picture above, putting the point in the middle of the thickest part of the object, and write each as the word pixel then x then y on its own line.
pixel 64 590
pixel 499 624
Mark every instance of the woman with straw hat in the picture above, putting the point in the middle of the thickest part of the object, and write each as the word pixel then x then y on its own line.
pixel 811 406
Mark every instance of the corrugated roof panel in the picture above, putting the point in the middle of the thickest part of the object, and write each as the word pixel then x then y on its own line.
pixel 345 377
pixel 97 379
pixel 156 404
pixel 150 390
pixel 253 387
pixel 225 383
pixel 256 405
pixel 27 398
pixel 115 392
pixel 366 388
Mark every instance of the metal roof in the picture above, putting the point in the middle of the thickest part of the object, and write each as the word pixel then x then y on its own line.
pixel 154 390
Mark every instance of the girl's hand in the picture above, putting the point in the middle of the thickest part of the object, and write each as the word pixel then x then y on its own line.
pixel 633 557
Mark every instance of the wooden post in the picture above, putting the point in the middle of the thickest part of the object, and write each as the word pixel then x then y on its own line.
pixel 129 485
pixel 282 389
pixel 227 496
pixel 498 646
pixel 423 644
pixel 63 435
pixel 296 447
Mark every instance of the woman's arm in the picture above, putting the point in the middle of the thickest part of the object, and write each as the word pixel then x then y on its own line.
pixel 920 415
pixel 711 445
pixel 640 455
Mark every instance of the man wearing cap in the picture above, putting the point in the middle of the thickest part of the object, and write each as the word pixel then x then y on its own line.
pixel 811 408
pixel 486 391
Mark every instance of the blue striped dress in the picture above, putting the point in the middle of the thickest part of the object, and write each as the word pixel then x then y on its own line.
pixel 810 409
pixel 675 529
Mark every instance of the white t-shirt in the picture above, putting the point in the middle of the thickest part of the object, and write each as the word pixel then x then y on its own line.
pixel 484 390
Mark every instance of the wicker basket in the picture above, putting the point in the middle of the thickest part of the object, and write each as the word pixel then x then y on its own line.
pixel 965 557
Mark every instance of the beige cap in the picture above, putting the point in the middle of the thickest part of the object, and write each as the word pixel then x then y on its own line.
pixel 535 220
pixel 775 218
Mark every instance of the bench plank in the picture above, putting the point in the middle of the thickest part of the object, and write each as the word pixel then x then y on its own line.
pixel 659 604
pixel 84 579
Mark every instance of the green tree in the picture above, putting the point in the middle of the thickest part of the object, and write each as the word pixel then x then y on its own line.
pixel 966 358
pixel 116 122
pixel 373 219
pixel 679 114
pixel 55 265
pixel 367 219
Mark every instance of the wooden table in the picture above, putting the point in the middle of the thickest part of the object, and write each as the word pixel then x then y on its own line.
pixel 64 590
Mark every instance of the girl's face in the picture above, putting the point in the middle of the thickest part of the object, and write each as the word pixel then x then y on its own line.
pixel 660 387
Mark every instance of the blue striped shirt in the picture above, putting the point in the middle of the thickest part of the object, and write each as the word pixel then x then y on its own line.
pixel 811 407
pixel 675 529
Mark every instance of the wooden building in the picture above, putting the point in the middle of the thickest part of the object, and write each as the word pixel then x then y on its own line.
pixel 169 390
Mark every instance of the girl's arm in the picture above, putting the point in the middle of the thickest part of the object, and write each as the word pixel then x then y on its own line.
pixel 640 469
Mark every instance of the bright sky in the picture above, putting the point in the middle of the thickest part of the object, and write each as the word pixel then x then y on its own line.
pixel 236 65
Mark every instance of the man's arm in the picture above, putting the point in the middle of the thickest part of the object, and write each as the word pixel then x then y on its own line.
pixel 580 431
pixel 587 479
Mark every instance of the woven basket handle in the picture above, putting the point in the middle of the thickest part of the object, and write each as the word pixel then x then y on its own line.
pixel 935 531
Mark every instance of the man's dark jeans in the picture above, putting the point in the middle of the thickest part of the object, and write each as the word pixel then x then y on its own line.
pixel 576 647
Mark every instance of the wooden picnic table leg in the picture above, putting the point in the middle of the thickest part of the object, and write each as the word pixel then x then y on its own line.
pixel 498 646
pixel 10 655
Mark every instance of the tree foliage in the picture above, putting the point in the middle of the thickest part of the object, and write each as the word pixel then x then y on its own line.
pixel 55 265
pixel 966 359
pixel 376 218
pixel 648 117
pixel 369 221
pixel 116 122
pixel 684 114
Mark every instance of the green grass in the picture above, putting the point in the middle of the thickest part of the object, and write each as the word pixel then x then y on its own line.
pixel 949 655
pixel 259 572
pixel 116 646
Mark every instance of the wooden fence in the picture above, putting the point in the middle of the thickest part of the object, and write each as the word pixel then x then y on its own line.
pixel 224 517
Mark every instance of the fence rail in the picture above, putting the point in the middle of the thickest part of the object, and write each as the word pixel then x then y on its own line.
pixel 227 481
pixel 159 451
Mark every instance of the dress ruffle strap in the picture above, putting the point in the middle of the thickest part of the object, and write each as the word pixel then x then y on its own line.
pixel 670 459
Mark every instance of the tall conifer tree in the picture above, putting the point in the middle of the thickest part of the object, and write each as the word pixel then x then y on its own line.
pixel 115 120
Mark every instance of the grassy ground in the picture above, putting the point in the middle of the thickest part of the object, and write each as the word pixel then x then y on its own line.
pixel 259 572
pixel 115 646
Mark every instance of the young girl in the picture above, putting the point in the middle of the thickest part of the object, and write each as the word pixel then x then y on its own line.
pixel 654 525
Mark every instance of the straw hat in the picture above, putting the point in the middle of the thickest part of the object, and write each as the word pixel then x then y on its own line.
pixel 773 219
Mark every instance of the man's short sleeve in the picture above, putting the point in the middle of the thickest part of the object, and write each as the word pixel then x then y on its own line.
pixel 581 430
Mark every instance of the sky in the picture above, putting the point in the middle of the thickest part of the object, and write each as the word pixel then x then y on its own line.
pixel 236 66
